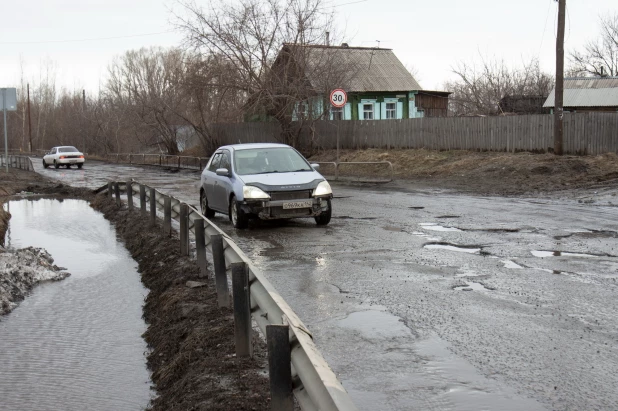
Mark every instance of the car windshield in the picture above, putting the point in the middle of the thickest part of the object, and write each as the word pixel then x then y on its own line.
pixel 67 149
pixel 269 160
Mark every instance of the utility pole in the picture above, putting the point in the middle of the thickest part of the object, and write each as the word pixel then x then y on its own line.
pixel 29 122
pixel 83 120
pixel 559 95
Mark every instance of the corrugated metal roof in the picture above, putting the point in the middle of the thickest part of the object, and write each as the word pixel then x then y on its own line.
pixel 370 69
pixel 598 97
pixel 588 92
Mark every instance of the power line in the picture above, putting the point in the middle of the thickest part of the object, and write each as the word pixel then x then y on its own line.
pixel 83 40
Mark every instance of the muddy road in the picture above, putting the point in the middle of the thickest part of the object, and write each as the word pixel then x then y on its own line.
pixel 432 299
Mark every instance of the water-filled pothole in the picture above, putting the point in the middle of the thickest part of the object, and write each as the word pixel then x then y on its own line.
pixel 555 253
pixel 74 344
pixel 470 249
pixel 472 286
pixel 437 227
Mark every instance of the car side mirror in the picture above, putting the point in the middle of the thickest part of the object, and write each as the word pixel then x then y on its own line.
pixel 316 167
pixel 223 172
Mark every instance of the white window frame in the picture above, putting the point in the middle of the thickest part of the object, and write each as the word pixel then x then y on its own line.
pixel 372 112
pixel 392 112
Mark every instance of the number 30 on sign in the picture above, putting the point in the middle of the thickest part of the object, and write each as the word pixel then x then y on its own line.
pixel 338 98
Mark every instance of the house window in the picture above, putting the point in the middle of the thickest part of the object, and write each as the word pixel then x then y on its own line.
pixel 337 113
pixel 367 111
pixel 302 110
pixel 391 110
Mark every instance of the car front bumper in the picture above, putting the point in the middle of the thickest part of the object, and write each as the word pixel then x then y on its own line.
pixel 274 210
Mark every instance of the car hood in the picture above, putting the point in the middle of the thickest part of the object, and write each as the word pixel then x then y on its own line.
pixel 303 180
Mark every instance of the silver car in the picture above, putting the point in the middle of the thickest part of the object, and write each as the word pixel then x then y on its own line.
pixel 266 181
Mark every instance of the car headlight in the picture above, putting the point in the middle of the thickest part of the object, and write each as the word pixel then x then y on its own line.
pixel 323 189
pixel 254 193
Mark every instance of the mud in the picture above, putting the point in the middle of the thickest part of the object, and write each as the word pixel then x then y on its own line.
pixel 191 340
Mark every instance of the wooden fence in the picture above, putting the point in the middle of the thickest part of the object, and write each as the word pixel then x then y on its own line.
pixel 584 133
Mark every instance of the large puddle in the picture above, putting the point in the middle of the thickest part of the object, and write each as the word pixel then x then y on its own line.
pixel 74 344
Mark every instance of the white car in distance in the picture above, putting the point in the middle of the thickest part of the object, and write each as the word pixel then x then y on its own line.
pixel 63 156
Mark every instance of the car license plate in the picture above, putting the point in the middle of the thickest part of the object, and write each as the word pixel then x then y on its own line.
pixel 73 161
pixel 297 204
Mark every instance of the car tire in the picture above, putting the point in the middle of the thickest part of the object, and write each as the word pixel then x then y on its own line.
pixel 324 217
pixel 56 165
pixel 80 165
pixel 238 217
pixel 45 165
pixel 206 211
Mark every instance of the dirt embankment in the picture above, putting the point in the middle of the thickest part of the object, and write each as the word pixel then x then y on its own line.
pixel 484 172
pixel 191 340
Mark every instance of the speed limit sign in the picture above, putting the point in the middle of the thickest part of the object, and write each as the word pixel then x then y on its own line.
pixel 338 98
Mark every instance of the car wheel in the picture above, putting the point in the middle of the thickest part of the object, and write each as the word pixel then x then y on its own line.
pixel 324 217
pixel 206 211
pixel 45 164
pixel 79 165
pixel 237 216
pixel 56 165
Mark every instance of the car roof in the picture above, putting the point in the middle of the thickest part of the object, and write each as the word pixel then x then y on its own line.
pixel 248 146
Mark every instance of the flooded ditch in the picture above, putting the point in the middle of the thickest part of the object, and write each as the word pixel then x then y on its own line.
pixel 74 344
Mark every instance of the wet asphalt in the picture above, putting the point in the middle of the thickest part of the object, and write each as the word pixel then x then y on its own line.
pixel 436 300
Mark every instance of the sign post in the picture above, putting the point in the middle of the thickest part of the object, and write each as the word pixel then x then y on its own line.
pixel 9 102
pixel 338 99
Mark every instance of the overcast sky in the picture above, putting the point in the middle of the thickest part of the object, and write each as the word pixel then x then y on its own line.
pixel 78 39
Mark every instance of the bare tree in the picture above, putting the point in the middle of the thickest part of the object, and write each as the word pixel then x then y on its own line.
pixel 248 37
pixel 478 91
pixel 148 84
pixel 599 57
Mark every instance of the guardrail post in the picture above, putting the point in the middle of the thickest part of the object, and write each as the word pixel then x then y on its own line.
pixel 142 198
pixel 178 161
pixel 110 189
pixel 159 159
pixel 167 215
pixel 200 246
pixel 242 310
pixel 279 369
pixel 129 195
pixel 143 158
pixel 117 192
pixel 130 158
pixel 184 229
pixel 153 207
pixel 218 262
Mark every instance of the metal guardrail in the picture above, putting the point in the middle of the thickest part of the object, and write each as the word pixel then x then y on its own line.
pixel 22 162
pixel 163 160
pixel 314 384
pixel 338 165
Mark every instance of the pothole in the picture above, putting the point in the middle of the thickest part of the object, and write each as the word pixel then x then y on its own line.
pixel 470 249
pixel 437 227
pixel 392 228
pixel 416 208
pixel 448 216
pixel 555 253
pixel 589 234
pixel 494 230
pixel 347 217
pixel 472 286
pixel 511 264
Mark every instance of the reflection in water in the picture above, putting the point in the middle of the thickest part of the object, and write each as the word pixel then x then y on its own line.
pixel 76 344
